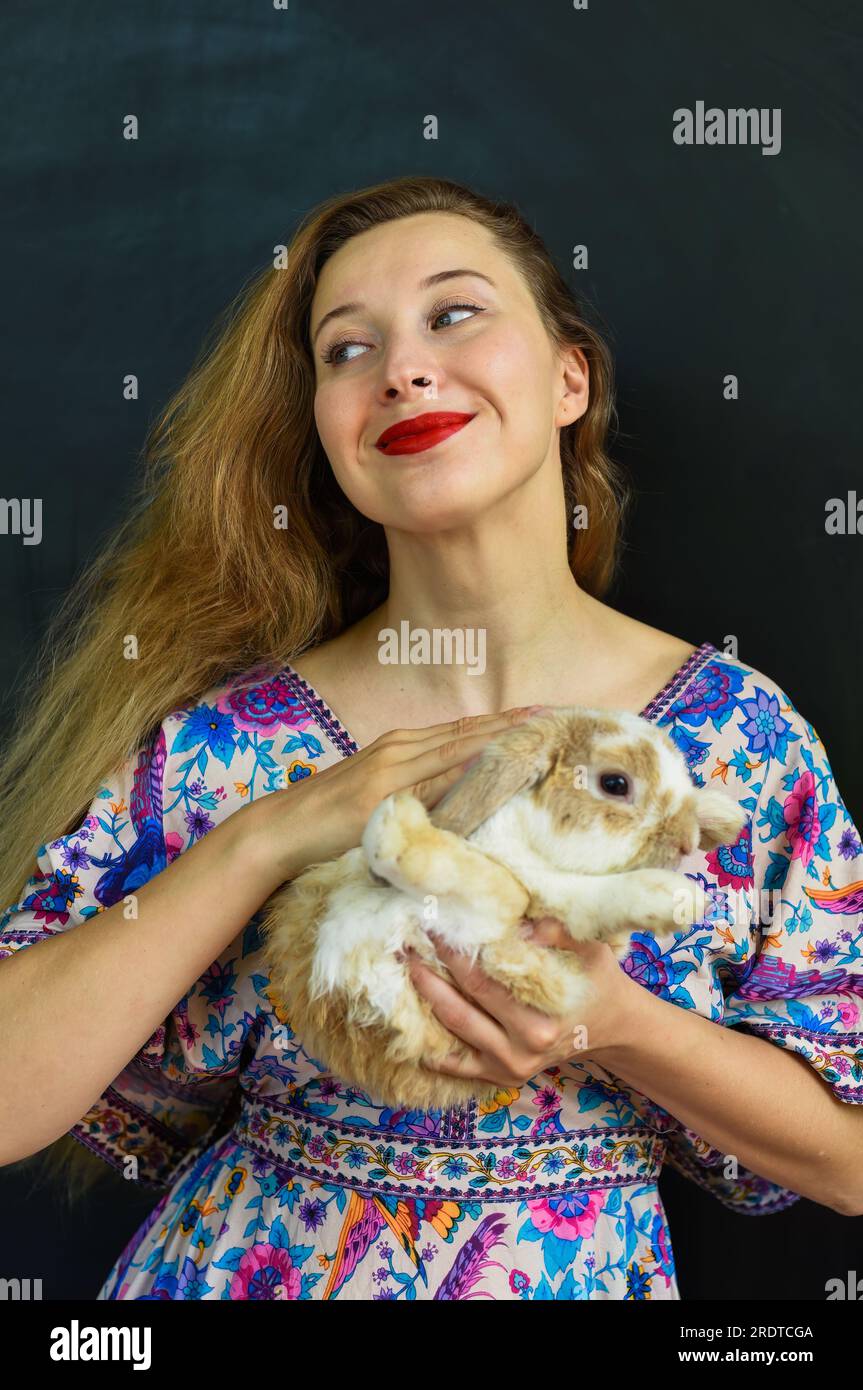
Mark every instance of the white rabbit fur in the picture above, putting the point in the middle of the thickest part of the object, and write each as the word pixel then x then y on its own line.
pixel 528 830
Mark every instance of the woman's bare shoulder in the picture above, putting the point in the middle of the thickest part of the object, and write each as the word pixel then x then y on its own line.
pixel 645 644
pixel 334 660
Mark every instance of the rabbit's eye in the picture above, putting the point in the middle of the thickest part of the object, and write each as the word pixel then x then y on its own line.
pixel 615 783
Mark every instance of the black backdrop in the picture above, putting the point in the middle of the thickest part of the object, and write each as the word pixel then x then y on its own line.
pixel 703 261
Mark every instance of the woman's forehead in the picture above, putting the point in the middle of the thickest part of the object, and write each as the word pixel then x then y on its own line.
pixel 412 248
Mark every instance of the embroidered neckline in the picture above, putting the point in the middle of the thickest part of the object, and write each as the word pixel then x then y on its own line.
pixel 346 743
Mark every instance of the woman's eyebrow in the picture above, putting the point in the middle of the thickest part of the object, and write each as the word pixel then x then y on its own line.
pixel 425 284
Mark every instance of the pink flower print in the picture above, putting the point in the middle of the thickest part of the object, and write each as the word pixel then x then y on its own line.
pixel 186 1029
pixel 266 1272
pixel 732 863
pixel 266 708
pixel 173 845
pixel 849 1014
pixel 548 1099
pixel 569 1217
pixel 801 818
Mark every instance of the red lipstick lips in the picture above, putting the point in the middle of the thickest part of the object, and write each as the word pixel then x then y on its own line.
pixel 421 431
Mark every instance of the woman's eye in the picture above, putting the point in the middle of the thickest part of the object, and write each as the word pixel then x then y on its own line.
pixel 615 783
pixel 450 308
pixel 331 355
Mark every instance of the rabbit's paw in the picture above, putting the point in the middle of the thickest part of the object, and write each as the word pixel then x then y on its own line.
pixel 690 902
pixel 391 827
pixel 664 899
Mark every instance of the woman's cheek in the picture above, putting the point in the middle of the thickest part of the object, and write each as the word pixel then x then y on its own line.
pixel 337 430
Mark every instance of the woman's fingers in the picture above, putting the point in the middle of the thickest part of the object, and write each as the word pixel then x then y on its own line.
pixel 411 743
pixel 550 931
pixel 545 931
pixel 467 722
pixel 467 1018
pixel 509 1037
pixel 431 771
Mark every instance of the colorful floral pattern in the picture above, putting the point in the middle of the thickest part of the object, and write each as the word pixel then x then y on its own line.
pixel 284 1182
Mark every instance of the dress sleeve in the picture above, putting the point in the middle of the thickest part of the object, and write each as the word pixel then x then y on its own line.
pixel 799 981
pixel 175 1089
pixel 704 1165
pixel 801 985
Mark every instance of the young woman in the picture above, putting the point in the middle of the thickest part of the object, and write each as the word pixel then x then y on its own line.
pixel 400 428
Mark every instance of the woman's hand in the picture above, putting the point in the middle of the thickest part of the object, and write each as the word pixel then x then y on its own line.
pixel 326 814
pixel 509 1042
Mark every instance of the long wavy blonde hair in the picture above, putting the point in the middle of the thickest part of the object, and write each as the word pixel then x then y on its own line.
pixel 198 572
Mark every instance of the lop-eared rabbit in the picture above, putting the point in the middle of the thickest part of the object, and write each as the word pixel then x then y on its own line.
pixel 578 813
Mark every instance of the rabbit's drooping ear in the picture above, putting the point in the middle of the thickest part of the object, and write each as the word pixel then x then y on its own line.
pixel 513 762
pixel 720 819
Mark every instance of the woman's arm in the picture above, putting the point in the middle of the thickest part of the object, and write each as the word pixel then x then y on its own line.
pixel 745 1096
pixel 75 1007
pixel 78 1005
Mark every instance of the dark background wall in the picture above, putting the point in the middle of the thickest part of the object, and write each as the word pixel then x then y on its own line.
pixel 704 261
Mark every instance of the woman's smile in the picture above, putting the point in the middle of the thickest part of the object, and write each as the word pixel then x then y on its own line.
pixel 422 432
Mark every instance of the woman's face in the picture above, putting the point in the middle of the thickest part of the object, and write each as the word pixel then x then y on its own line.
pixel 482 347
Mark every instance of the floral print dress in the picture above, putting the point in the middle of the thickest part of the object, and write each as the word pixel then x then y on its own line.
pixel 283 1182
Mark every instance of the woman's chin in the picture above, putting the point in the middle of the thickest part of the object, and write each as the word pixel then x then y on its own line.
pixel 437 502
